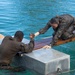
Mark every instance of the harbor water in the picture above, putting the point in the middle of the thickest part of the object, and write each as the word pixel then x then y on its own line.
pixel 30 16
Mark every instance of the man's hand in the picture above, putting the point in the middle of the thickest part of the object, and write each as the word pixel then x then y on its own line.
pixel 32 36
pixel 47 47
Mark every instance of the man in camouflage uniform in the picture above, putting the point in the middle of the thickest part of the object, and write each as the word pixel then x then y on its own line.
pixel 63 26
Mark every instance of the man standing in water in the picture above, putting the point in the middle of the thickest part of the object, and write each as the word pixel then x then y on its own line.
pixel 63 25
pixel 11 46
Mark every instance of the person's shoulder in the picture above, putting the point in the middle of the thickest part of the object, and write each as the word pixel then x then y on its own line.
pixel 19 44
pixel 8 37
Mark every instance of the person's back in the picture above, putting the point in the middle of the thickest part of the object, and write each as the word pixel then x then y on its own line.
pixel 11 46
pixel 8 49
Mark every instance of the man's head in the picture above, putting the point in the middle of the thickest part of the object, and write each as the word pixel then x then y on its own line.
pixel 19 36
pixel 54 22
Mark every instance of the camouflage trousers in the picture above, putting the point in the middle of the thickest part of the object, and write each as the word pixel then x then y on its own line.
pixel 69 33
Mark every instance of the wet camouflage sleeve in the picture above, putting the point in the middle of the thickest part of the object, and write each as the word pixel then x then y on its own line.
pixel 27 47
pixel 43 30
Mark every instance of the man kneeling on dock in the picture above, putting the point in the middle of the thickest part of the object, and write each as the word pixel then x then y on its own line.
pixel 11 46
pixel 64 27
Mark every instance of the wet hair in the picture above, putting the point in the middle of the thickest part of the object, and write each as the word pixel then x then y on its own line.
pixel 54 20
pixel 19 35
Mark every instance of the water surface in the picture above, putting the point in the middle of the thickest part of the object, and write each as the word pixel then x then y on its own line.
pixel 32 15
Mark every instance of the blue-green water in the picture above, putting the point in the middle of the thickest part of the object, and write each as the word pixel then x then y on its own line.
pixel 31 15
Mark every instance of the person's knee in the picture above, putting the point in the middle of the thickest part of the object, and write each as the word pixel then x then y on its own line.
pixel 65 36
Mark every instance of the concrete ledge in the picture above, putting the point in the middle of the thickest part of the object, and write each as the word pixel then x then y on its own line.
pixel 45 61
